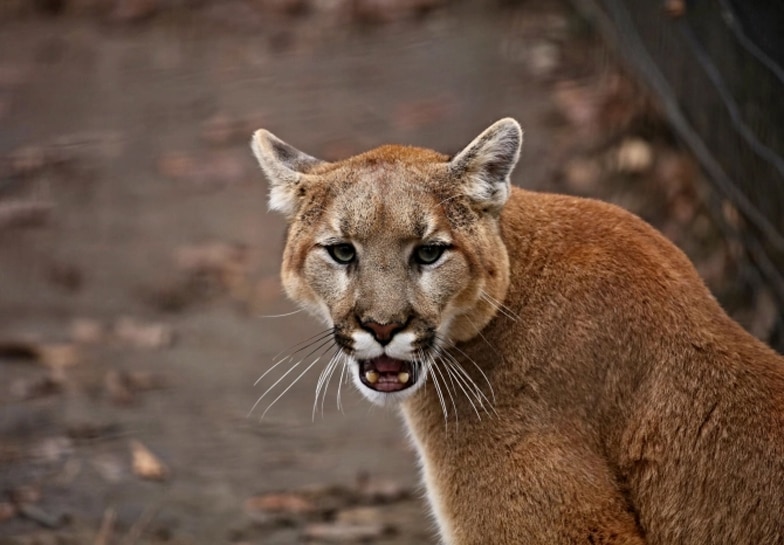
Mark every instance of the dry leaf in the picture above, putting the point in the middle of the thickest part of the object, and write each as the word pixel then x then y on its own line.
pixel 283 502
pixel 380 490
pixel 87 331
pixel 339 532
pixel 121 386
pixel 150 336
pixel 59 356
pixel 55 356
pixel 360 516
pixel 145 464
pixel 104 536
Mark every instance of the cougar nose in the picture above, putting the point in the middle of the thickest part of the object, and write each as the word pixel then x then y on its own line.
pixel 383 333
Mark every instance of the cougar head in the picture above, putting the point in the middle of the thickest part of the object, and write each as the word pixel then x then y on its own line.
pixel 397 249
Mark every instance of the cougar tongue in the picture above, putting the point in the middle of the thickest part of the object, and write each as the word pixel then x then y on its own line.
pixel 386 374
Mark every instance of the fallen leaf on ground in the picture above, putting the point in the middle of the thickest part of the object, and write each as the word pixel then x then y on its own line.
pixel 55 356
pixel 87 331
pixel 283 502
pixel 380 490
pixel 59 356
pixel 146 464
pixel 340 532
pixel 154 335
pixel 360 516
pixel 122 386
pixel 104 535
pixel 280 508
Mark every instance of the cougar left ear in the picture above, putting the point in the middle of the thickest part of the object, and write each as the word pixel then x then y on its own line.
pixel 284 166
pixel 486 163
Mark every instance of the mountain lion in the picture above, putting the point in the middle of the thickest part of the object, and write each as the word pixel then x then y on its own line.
pixel 564 373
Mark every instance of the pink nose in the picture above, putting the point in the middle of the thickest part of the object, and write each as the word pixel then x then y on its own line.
pixel 383 333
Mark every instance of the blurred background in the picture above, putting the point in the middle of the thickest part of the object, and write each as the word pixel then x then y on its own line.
pixel 139 291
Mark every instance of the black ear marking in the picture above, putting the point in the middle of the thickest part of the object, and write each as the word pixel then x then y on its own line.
pixel 283 151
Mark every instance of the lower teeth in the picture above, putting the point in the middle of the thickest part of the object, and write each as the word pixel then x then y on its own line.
pixel 372 377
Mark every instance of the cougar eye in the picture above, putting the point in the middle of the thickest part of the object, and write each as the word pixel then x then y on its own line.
pixel 342 253
pixel 428 254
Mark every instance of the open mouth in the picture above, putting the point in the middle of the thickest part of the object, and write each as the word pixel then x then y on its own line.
pixel 385 374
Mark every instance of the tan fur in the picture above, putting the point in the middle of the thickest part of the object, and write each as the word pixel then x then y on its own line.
pixel 628 408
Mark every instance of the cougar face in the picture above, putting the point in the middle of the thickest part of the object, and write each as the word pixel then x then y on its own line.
pixel 396 249
pixel 391 293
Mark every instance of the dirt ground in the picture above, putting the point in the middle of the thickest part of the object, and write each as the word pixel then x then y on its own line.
pixel 138 264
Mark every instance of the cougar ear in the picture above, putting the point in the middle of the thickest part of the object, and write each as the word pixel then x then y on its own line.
pixel 486 163
pixel 284 165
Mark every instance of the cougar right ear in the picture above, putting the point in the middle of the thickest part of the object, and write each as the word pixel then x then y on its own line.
pixel 285 166
pixel 484 165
